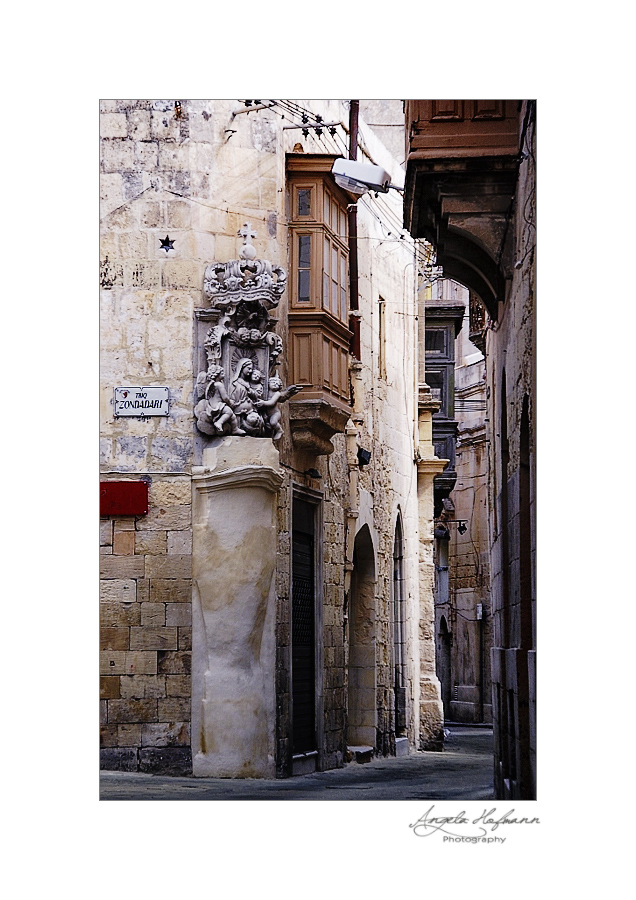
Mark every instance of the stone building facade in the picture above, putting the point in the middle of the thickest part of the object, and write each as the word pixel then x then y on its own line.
pixel 471 192
pixel 462 603
pixel 270 612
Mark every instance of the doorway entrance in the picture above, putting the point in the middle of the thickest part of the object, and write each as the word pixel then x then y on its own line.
pixel 303 627
pixel 444 665
pixel 361 728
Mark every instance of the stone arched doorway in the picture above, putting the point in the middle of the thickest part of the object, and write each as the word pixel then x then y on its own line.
pixel 444 664
pixel 399 632
pixel 361 728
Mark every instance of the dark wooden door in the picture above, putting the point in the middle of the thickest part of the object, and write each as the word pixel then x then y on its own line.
pixel 303 630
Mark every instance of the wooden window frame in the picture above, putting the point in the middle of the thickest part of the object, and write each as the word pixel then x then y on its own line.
pixel 324 193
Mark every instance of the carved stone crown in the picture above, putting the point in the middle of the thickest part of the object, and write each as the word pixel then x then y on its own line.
pixel 245 280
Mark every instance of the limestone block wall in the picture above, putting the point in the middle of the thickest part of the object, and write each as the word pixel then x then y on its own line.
pixel 469 585
pixel 386 425
pixel 469 556
pixel 334 636
pixel 430 709
pixel 383 420
pixel 511 356
pixel 146 634
pixel 162 175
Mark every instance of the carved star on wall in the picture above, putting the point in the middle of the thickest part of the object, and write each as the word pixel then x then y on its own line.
pixel 166 244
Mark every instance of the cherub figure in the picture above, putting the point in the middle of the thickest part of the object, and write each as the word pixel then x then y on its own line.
pixel 218 405
pixel 276 395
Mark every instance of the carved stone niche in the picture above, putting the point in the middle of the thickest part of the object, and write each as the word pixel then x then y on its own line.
pixel 237 389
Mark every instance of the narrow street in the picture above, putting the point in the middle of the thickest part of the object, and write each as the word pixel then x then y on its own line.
pixel 463 771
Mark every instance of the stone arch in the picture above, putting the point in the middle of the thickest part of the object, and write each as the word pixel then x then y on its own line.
pixel 362 714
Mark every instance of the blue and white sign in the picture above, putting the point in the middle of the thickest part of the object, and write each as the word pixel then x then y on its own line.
pixel 142 401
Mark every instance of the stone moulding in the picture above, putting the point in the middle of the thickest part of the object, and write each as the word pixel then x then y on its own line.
pixel 206 480
pixel 431 466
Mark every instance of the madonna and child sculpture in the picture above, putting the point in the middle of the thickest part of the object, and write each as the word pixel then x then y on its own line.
pixel 239 391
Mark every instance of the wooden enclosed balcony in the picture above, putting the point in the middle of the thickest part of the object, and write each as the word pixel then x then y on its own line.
pixel 319 334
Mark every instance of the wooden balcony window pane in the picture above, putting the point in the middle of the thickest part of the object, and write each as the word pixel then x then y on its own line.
pixel 304 202
pixel 435 340
pixel 303 285
pixel 327 207
pixel 304 251
pixel 326 256
pixel 343 287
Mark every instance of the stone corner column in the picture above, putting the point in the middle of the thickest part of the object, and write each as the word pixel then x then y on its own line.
pixel 431 710
pixel 233 634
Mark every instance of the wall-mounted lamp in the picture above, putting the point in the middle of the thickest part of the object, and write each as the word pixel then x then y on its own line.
pixel 441 529
pixel 357 178
pixel 312 473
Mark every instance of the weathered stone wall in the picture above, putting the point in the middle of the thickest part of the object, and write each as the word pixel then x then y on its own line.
pixel 162 175
pixel 511 355
pixel 469 556
pixel 386 426
pixel 149 168
pixel 146 633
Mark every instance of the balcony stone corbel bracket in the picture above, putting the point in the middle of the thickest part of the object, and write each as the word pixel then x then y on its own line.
pixel 314 422
pixel 431 467
pixel 426 403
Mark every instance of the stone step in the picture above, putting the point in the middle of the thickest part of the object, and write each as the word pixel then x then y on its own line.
pixel 361 753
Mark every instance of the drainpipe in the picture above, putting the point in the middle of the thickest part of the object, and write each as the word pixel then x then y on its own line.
pixel 352 213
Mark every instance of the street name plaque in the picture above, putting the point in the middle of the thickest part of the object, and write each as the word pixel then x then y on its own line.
pixel 142 401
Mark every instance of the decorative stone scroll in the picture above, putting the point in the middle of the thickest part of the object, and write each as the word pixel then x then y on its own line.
pixel 239 391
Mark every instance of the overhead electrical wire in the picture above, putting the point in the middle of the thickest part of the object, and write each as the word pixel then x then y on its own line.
pixel 386 216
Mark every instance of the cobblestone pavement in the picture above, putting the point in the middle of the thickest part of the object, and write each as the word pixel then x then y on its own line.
pixel 463 771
